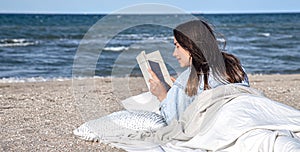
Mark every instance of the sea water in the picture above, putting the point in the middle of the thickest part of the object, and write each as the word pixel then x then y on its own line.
pixel 44 46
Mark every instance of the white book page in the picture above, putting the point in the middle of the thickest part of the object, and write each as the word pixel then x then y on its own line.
pixel 154 61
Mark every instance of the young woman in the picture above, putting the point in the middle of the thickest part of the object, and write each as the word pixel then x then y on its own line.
pixel 196 47
pixel 225 117
pixel 208 108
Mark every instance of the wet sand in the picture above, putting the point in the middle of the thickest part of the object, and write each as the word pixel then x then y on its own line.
pixel 40 116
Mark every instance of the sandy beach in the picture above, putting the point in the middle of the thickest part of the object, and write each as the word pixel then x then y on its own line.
pixel 40 116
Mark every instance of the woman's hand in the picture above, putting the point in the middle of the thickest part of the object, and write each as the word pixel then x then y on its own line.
pixel 156 87
pixel 173 79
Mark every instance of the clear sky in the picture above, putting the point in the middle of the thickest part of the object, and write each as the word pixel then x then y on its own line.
pixel 109 6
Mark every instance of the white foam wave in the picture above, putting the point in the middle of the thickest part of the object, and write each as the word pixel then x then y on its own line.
pixel 16 42
pixel 170 38
pixel 118 48
pixel 32 79
pixel 279 37
pixel 264 34
pixel 222 40
pixel 42 79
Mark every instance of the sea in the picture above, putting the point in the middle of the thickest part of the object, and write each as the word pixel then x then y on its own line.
pixel 41 47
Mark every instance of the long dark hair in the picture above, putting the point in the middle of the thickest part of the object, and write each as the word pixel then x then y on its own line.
pixel 199 39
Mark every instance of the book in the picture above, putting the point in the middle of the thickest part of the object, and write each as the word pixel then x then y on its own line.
pixel 155 62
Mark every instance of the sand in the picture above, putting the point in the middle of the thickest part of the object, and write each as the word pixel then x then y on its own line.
pixel 40 116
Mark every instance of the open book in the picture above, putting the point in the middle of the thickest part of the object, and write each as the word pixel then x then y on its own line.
pixel 154 61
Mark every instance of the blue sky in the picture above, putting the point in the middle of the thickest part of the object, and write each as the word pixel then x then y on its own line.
pixel 109 6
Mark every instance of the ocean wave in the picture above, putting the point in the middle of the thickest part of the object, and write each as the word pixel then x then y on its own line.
pixel 20 80
pixel 264 34
pixel 144 36
pixel 43 79
pixel 117 48
pixel 16 42
pixel 31 79
pixel 221 40
pixel 280 37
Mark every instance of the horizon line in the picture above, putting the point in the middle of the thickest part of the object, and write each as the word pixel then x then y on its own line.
pixel 151 13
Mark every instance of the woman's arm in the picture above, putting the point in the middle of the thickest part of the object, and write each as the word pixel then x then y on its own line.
pixel 175 100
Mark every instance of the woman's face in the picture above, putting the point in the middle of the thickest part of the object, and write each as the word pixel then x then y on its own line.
pixel 182 55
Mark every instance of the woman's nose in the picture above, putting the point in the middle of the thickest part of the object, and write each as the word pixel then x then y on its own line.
pixel 174 52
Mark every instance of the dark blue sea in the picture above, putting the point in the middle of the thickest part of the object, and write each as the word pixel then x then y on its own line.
pixel 46 46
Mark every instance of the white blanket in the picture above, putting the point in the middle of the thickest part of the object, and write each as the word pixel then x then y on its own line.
pixel 226 118
pixel 232 118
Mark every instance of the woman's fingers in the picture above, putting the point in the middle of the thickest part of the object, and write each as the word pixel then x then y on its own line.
pixel 153 75
pixel 173 79
pixel 157 88
pixel 153 84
